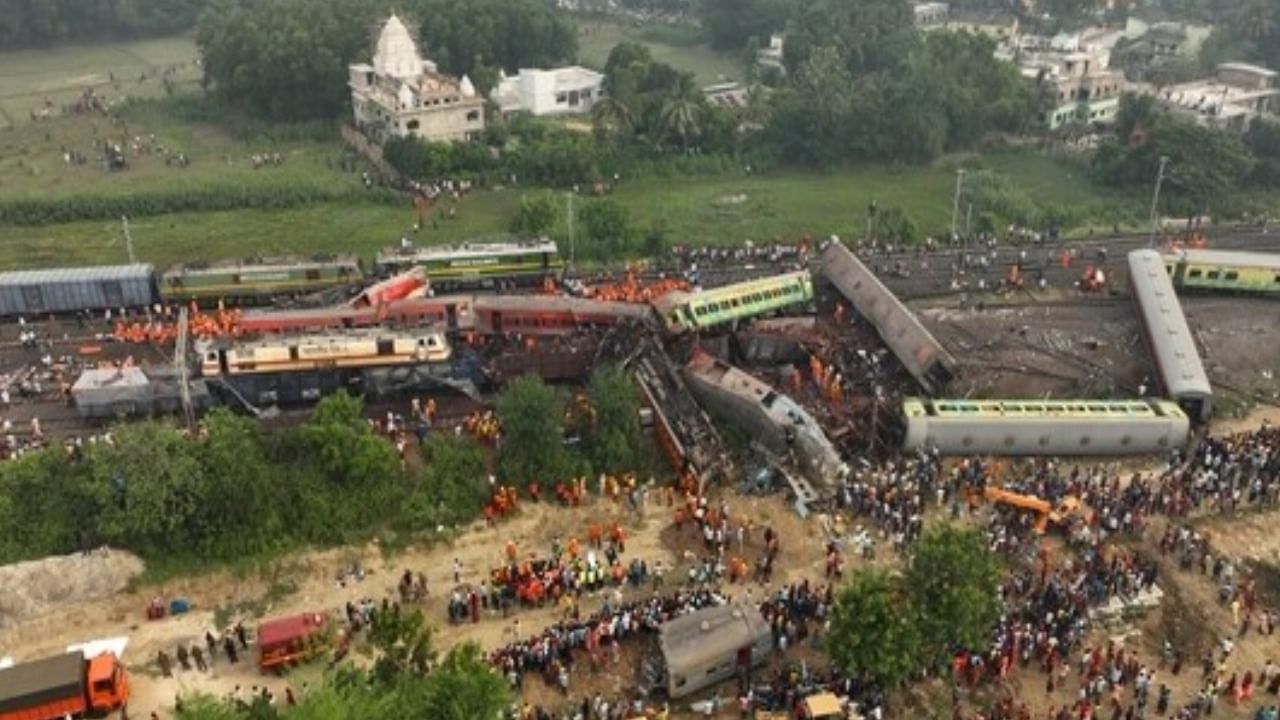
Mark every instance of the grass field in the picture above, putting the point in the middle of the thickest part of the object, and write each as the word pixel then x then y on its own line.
pixel 29 78
pixel 724 210
pixel 597 37
pixel 32 163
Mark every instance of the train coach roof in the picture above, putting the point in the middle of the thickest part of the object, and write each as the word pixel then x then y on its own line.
pixel 468 250
pixel 1172 344
pixel 1030 409
pixel 41 681
pixel 96 273
pixel 708 634
pixel 1230 258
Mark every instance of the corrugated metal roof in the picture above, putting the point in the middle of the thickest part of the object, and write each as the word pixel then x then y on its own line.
pixel 93 273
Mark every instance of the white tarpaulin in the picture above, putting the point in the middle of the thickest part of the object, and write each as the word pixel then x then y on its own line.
pixel 94 648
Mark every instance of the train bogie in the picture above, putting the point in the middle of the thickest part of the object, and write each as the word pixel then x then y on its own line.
pixel 1040 427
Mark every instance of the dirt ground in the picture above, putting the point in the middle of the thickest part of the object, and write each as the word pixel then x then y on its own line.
pixel 651 537
pixel 1093 347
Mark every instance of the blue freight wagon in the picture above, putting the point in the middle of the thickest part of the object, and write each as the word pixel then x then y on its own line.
pixel 60 290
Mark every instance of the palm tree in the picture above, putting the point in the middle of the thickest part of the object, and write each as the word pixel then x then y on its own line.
pixel 610 113
pixel 681 115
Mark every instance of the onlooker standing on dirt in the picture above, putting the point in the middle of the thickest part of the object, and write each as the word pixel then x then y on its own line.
pixel 166 666
pixel 198 655
pixel 242 636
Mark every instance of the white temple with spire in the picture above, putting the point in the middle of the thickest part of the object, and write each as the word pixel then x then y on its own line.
pixel 401 94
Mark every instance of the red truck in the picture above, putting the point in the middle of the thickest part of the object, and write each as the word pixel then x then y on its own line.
pixel 61 686
pixel 289 641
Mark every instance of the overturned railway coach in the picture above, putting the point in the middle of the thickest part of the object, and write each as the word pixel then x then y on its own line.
pixel 1168 337
pixel 1043 427
pixel 914 346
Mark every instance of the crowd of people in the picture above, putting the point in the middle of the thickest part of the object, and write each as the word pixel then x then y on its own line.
pixel 1047 619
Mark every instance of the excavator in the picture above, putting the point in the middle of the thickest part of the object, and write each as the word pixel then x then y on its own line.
pixel 1067 511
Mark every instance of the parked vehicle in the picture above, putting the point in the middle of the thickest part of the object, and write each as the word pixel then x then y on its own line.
pixel 69 685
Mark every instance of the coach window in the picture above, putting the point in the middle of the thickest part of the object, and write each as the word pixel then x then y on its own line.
pixel 1212 275
pixel 1195 273
pixel 313 275
pixel 1044 441
pixel 1232 275
pixel 1126 441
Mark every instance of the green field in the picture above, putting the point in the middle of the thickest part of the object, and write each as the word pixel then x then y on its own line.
pixel 32 162
pixel 31 78
pixel 722 210
pixel 597 37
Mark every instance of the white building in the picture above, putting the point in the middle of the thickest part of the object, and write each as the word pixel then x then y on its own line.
pixel 1230 101
pixel 929 14
pixel 560 91
pixel 401 94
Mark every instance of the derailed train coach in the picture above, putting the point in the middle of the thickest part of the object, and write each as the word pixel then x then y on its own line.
pixel 1043 427
pixel 1168 337
pixel 914 346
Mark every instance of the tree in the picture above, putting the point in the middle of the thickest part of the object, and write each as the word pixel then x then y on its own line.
pixel 614 436
pixel 453 488
pixel 607 225
pixel 611 115
pixel 402 643
pixel 150 483
pixel 874 635
pixel 532 447
pixel 1263 140
pixel 465 687
pixel 953 584
pixel 284 59
pixel 682 117
pixel 537 214
pixel 1206 165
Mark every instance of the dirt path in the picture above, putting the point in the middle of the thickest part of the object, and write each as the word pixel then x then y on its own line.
pixel 479 548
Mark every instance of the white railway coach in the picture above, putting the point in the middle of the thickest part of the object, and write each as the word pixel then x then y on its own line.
pixel 1044 427
pixel 1173 348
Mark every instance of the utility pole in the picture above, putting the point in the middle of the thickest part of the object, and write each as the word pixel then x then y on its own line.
pixel 968 221
pixel 180 364
pixel 1155 200
pixel 572 247
pixel 955 203
pixel 871 218
pixel 128 238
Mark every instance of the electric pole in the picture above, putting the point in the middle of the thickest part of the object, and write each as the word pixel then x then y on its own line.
pixel 1155 200
pixel 128 238
pixel 955 203
pixel 572 247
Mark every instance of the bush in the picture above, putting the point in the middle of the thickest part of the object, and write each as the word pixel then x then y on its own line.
pixel 211 198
